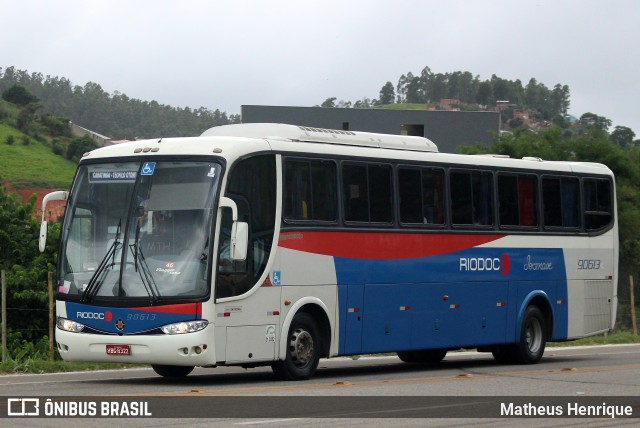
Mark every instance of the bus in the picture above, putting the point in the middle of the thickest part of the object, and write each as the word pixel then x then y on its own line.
pixel 277 245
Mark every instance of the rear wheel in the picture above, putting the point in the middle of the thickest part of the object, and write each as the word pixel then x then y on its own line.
pixel 303 350
pixel 172 371
pixel 533 339
pixel 504 354
pixel 431 356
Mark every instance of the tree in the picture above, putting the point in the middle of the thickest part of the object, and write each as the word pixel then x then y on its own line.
pixel 387 94
pixel 18 94
pixel 500 88
pixel 26 267
pixel 593 120
pixel 329 102
pixel 560 99
pixel 79 146
pixel 414 90
pixel 485 93
pixel 622 136
pixel 27 116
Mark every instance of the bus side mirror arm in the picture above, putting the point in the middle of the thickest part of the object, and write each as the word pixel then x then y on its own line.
pixel 53 196
pixel 239 231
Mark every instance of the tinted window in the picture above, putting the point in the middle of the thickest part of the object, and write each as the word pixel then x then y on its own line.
pixel 252 185
pixel 421 195
pixel 472 198
pixel 517 195
pixel 367 193
pixel 310 190
pixel 597 203
pixel 561 201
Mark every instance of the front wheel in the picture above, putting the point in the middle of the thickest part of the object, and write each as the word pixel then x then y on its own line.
pixel 172 371
pixel 303 350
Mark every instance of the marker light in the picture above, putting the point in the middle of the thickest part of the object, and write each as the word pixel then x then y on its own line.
pixel 68 325
pixel 185 327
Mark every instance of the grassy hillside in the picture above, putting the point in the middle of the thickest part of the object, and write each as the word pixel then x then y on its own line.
pixel 32 165
pixel 403 106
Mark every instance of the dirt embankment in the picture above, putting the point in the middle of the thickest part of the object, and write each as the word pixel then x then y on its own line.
pixel 55 209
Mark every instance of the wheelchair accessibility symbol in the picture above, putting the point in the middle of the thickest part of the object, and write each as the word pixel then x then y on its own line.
pixel 276 277
pixel 148 168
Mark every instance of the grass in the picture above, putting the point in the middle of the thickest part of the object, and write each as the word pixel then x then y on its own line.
pixel 32 164
pixel 38 366
pixel 616 338
pixel 404 106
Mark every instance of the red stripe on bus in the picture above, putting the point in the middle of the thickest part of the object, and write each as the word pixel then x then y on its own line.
pixel 180 308
pixel 380 245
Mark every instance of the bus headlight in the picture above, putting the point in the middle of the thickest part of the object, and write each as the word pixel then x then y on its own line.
pixel 185 327
pixel 68 325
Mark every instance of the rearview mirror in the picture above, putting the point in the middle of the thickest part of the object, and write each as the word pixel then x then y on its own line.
pixel 239 240
pixel 60 195
pixel 42 242
pixel 239 231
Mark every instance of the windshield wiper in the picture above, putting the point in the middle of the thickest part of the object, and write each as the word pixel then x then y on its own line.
pixel 98 276
pixel 145 273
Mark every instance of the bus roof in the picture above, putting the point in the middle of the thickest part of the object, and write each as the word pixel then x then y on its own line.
pixel 274 131
pixel 237 141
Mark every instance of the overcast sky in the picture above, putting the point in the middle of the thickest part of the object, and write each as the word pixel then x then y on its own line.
pixel 221 54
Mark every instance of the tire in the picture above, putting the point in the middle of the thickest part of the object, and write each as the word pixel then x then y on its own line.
pixel 303 350
pixel 504 354
pixel 172 371
pixel 431 356
pixel 533 337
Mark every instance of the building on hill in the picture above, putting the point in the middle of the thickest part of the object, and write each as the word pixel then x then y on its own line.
pixel 448 129
pixel 79 131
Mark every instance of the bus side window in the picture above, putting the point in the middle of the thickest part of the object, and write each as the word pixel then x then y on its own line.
pixel 597 203
pixel 252 185
pixel 310 190
pixel 472 198
pixel 367 193
pixel 421 195
pixel 517 197
pixel 561 202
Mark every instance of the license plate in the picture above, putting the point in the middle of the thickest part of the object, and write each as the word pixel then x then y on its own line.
pixel 118 350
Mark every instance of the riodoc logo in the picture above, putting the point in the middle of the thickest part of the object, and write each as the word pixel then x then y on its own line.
pixel 486 264
pixel 106 316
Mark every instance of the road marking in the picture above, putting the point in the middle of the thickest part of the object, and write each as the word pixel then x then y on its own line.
pixel 267 421
pixel 454 377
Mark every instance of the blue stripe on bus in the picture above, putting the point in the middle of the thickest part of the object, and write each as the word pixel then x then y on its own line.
pixel 466 298
pixel 131 320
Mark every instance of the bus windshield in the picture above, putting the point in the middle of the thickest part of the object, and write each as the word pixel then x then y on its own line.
pixel 138 230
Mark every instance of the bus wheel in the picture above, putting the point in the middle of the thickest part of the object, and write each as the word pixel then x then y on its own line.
pixel 303 350
pixel 533 337
pixel 172 371
pixel 504 354
pixel 431 356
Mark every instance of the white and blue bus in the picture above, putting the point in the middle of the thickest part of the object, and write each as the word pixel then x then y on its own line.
pixel 269 244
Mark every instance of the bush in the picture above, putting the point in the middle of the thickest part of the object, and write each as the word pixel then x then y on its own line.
pixel 10 140
pixel 19 95
pixel 57 148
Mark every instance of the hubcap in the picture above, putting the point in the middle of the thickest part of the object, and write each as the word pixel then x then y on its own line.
pixel 534 336
pixel 301 347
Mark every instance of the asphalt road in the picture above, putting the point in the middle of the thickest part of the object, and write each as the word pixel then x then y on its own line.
pixel 376 391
